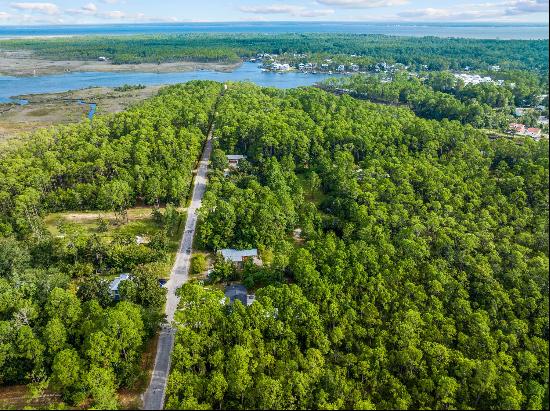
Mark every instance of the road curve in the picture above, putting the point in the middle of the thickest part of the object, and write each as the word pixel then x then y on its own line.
pixel 154 396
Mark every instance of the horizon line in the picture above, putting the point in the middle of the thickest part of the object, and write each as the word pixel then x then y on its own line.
pixel 503 23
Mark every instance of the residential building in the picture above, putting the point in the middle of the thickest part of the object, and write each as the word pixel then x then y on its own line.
pixel 517 128
pixel 238 257
pixel 114 285
pixel 239 292
pixel 280 67
pixel 234 160
pixel 533 132
pixel 473 78
pixel 522 130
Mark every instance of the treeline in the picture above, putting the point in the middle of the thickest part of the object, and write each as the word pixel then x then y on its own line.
pixel 60 325
pixel 441 96
pixel 433 52
pixel 420 278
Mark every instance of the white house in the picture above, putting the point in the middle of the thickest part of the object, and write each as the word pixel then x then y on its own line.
pixel 280 67
pixel 473 78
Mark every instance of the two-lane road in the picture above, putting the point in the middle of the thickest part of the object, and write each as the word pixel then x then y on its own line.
pixel 154 396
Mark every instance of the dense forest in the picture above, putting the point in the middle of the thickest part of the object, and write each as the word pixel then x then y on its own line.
pixel 59 325
pixel 419 279
pixel 432 52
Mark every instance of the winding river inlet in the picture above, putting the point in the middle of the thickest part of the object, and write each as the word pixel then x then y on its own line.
pixel 16 86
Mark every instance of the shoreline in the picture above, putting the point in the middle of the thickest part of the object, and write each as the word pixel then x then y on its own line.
pixel 21 64
pixel 48 109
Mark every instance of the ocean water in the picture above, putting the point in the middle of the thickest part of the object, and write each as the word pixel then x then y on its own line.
pixel 466 30
pixel 15 86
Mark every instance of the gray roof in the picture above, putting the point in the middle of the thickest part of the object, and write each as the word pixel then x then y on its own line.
pixel 237 255
pixel 116 282
pixel 235 157
pixel 238 292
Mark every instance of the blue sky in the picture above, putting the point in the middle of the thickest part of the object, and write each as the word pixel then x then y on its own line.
pixel 131 11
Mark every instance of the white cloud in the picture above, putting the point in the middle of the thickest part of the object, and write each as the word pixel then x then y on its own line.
pixel 117 14
pixel 316 13
pixel 446 14
pixel 527 6
pixel 43 8
pixel 480 11
pixel 91 7
pixel 4 15
pixel 296 11
pixel 271 9
pixel 362 4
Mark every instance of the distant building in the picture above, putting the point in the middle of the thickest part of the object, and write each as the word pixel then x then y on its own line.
pixel 114 285
pixel 280 67
pixel 102 58
pixel 522 130
pixel 341 67
pixel 234 160
pixel 533 132
pixel 354 67
pixel 473 78
pixel 517 128
pixel 543 120
pixel 238 257
pixel 520 111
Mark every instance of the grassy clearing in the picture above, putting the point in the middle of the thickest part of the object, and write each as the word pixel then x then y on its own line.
pixel 140 222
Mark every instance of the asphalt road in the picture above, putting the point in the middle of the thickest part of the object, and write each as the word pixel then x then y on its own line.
pixel 154 396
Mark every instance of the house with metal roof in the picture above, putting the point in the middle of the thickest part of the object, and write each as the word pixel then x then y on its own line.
pixel 234 159
pixel 238 257
pixel 114 285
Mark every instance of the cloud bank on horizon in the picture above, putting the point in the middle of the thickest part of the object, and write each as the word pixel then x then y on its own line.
pixel 144 11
